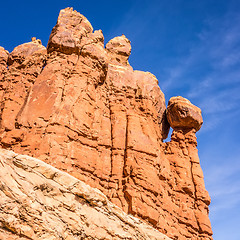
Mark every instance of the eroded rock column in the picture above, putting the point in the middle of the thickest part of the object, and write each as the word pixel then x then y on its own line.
pixel 182 153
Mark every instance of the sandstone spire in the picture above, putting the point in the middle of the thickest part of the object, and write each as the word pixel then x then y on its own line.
pixel 119 50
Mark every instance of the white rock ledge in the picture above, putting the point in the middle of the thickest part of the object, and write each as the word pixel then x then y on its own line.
pixel 38 201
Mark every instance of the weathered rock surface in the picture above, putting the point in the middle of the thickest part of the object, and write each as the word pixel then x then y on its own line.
pixel 3 59
pixel 182 114
pixel 40 202
pixel 83 109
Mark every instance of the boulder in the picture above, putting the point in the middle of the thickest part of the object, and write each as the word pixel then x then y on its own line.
pixel 182 114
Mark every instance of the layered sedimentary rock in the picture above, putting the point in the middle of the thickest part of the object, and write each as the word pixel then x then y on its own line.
pixel 40 202
pixel 81 107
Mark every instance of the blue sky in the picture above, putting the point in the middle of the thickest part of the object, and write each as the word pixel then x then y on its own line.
pixel 193 48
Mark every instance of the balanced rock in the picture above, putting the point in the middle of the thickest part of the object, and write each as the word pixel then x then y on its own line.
pixel 182 114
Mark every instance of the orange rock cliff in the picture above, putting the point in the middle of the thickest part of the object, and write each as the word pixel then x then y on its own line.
pixel 80 107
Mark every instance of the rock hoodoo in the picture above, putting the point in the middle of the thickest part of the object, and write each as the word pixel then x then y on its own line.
pixel 82 108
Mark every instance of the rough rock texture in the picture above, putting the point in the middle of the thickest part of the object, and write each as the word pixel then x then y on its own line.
pixel 82 108
pixel 181 114
pixel 40 202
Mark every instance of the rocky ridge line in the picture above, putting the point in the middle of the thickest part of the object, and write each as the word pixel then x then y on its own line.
pixel 39 201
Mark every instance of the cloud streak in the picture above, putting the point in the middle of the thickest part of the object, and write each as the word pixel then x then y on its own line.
pixel 214 63
pixel 224 184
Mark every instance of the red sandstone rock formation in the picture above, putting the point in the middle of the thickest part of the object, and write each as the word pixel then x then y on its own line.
pixel 82 108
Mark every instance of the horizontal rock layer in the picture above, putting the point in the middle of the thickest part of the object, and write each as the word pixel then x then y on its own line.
pixel 82 108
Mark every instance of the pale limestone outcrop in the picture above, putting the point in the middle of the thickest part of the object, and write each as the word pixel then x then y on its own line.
pixel 39 201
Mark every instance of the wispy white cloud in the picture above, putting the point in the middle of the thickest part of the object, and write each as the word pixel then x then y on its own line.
pixel 211 72
pixel 174 74
pixel 223 101
pixel 223 184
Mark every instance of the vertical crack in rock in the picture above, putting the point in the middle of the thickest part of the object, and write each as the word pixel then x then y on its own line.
pixel 111 133
pixel 63 88
pixel 68 77
pixel 3 75
pixel 125 172
pixel 44 65
pixel 195 191
pixel 1 110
